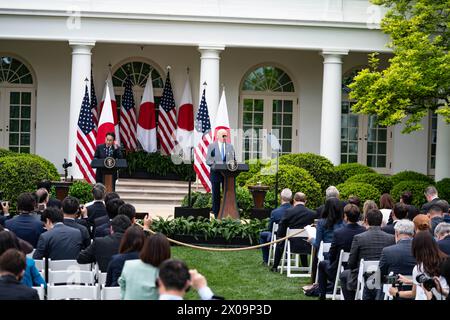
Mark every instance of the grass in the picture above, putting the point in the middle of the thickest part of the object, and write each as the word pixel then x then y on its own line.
pixel 241 275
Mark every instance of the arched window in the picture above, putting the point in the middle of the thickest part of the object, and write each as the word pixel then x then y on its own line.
pixel 17 105
pixel 139 71
pixel 268 78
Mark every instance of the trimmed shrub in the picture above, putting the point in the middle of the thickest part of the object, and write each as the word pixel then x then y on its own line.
pixel 21 173
pixel 6 153
pixel 363 191
pixel 382 183
pixel 346 170
pixel 244 201
pixel 410 176
pixel 294 178
pixel 199 200
pixel 254 168
pixel 417 189
pixel 443 187
pixel 82 191
pixel 269 200
pixel 318 166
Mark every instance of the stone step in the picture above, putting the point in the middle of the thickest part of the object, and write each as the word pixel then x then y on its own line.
pixel 163 192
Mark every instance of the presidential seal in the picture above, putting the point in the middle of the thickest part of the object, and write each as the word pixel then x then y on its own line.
pixel 109 162
pixel 232 165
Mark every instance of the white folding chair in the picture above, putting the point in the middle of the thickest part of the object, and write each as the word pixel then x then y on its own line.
pixel 272 247
pixel 289 257
pixel 71 277
pixel 57 265
pixel 41 291
pixel 343 258
pixel 109 293
pixel 101 278
pixel 40 265
pixel 323 248
pixel 72 292
pixel 364 268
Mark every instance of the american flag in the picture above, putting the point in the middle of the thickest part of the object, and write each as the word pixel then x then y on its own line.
pixel 128 118
pixel 203 127
pixel 94 103
pixel 86 135
pixel 167 119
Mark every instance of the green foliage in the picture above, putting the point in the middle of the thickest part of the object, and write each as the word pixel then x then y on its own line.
pixel 363 191
pixel 416 188
pixel 21 172
pixel 269 200
pixel 410 176
pixel 6 153
pixel 294 178
pixel 82 191
pixel 244 201
pixel 318 166
pixel 199 200
pixel 416 80
pixel 202 228
pixel 254 167
pixel 382 183
pixel 443 187
pixel 347 170
pixel 157 164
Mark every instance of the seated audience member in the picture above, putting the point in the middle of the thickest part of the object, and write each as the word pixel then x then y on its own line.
pixel 331 192
pixel 431 194
pixel 436 216
pixel 60 242
pixel 4 212
pixel 55 203
pixel 368 246
pixel 422 223
pixel 367 206
pixel 70 208
pixel 445 272
pixel 386 206
pixel 332 220
pixel 275 217
pixel 342 240
pixel 175 279
pixel 297 217
pixel 444 205
pixel 97 208
pixel 428 262
pixel 47 185
pixel 354 200
pixel 102 249
pixel 128 210
pixel 112 207
pixel 42 199
pixel 12 269
pixel 442 234
pixel 31 277
pixel 138 278
pixel 25 226
pixel 400 212
pixel 130 246
pixel 406 199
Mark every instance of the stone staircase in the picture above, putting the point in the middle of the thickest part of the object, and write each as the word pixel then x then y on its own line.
pixel 159 197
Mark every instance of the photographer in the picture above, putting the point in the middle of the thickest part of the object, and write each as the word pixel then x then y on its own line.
pixel 429 259
pixel 4 212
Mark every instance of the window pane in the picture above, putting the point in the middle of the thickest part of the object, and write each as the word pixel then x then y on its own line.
pixel 345 107
pixel 353 120
pixel 14 149
pixel 382 134
pixel 344 123
pixel 26 112
pixel 287 119
pixel 344 133
pixel 13 139
pixel 372 135
pixel 352 147
pixel 276 119
pixel 381 162
pixel 25 125
pixel 247 118
pixel 14 125
pixel 371 161
pixel 26 98
pixel 277 106
pixel 248 105
pixel 14 111
pixel 288 106
pixel 343 158
pixel 25 139
pixel 381 148
pixel 259 105
pixel 287 145
pixel 352 158
pixel 24 149
pixel 258 119
pixel 371 147
pixel 287 133
pixel 14 97
pixel 353 134
pixel 344 146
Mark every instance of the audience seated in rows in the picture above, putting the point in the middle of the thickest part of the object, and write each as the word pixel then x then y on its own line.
pixel 399 212
pixel 70 208
pixel 422 223
pixel 386 206
pixel 97 208
pixel 442 235
pixel 330 192
pixel 112 208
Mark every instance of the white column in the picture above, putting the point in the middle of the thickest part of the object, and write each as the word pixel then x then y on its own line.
pixel 330 126
pixel 81 69
pixel 210 73
pixel 442 150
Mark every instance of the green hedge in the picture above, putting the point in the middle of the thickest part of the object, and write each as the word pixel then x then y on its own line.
pixel 254 167
pixel 346 170
pixel 21 173
pixel 6 153
pixel 410 176
pixel 379 181
pixel 363 191
pixel 199 200
pixel 443 187
pixel 294 178
pixel 417 189
pixel 82 191
pixel 318 166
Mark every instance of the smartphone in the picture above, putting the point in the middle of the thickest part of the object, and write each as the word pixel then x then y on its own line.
pixel 41 207
pixel 5 203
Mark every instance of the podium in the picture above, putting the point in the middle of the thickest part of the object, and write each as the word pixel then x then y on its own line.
pixel 108 167
pixel 228 204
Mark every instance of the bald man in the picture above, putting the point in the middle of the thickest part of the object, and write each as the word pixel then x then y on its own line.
pixel 218 152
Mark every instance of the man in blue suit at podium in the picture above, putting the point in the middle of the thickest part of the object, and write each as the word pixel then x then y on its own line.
pixel 107 149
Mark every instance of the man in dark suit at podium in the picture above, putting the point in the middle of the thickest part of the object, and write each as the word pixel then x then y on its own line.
pixel 108 149
pixel 219 152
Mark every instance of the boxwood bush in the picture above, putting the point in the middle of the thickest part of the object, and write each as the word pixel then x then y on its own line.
pixel 82 191
pixel 318 166
pixel 346 170
pixel 443 187
pixel 294 178
pixel 417 189
pixel 379 181
pixel 410 176
pixel 254 167
pixel 363 191
pixel 6 153
pixel 199 200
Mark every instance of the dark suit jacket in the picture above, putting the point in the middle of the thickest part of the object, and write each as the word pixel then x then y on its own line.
pixel 390 228
pixel 319 210
pixel 397 258
pixel 277 214
pixel 11 289
pixel 444 245
pixel 412 211
pixel 213 155
pixel 103 230
pixel 59 243
pixel 295 218
pixel 368 246
pixel 100 152
pixel 427 206
pixel 86 239
pixel 115 267
pixel 434 222
pixel 26 227
pixel 101 251
pixel 96 210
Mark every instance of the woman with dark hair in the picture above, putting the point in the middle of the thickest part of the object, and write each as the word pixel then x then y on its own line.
pixel 130 246
pixel 138 278
pixel 429 259
pixel 386 206
pixel 332 220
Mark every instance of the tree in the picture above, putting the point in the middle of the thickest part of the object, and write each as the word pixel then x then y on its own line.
pixel 418 76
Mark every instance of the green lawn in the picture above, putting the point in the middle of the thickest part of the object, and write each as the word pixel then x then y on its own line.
pixel 240 275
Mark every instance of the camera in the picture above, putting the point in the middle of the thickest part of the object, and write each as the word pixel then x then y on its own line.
pixel 66 164
pixel 393 280
pixel 428 283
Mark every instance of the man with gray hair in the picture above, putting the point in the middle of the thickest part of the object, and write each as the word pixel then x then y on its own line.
pixel 431 194
pixel 442 234
pixel 330 192
pixel 275 217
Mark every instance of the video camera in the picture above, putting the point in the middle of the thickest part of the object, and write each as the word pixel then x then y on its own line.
pixel 66 164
